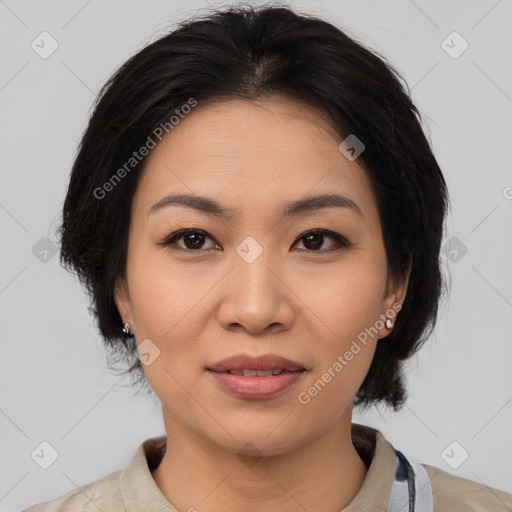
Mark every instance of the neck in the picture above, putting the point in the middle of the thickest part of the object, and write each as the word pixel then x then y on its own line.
pixel 322 475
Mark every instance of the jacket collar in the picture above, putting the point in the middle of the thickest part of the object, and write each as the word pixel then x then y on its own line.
pixel 140 492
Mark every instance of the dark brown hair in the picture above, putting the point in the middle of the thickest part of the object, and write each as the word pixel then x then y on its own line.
pixel 250 53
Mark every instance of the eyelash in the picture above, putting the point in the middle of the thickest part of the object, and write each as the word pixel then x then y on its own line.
pixel 341 241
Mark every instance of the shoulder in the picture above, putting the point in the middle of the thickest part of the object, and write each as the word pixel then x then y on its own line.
pixel 110 493
pixel 102 494
pixel 451 493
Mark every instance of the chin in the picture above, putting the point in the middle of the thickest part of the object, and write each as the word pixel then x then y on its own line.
pixel 259 438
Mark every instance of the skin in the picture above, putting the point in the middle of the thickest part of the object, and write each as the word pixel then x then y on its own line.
pixel 200 305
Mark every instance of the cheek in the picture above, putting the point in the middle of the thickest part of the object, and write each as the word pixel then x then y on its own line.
pixel 347 297
pixel 349 307
pixel 164 307
pixel 164 293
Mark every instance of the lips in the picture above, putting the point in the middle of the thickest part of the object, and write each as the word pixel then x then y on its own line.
pixel 250 366
pixel 256 378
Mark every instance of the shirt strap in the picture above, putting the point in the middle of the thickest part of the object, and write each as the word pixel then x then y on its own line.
pixel 411 490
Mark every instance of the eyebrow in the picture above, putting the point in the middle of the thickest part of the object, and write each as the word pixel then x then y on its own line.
pixel 212 207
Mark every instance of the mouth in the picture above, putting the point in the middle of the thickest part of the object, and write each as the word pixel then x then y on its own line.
pixel 262 365
pixel 258 377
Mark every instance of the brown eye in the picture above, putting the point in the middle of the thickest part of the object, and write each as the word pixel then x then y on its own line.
pixel 193 240
pixel 315 239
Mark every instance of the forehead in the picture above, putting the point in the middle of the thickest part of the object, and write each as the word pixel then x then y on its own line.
pixel 251 155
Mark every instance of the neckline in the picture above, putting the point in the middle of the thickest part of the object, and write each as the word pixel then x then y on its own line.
pixel 140 492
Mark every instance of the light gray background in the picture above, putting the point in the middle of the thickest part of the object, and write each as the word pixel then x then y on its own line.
pixel 54 383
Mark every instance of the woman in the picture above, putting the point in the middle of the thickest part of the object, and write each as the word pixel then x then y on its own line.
pixel 256 209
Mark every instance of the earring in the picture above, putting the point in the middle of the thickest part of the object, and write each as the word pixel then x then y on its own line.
pixel 389 323
pixel 126 329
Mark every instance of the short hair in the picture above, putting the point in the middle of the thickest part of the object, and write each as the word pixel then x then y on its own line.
pixel 251 53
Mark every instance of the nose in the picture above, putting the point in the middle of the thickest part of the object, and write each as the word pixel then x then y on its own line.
pixel 255 297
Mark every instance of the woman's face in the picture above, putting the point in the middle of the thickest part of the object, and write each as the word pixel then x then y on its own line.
pixel 253 282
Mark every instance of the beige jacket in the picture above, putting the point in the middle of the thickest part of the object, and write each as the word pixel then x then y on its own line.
pixel 134 490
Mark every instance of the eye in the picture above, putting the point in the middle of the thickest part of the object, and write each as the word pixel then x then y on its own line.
pixel 193 239
pixel 315 238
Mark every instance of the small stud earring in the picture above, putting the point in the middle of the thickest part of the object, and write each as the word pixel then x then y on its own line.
pixel 126 328
pixel 389 323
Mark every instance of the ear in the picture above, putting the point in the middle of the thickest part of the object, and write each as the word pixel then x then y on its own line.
pixel 396 291
pixel 122 300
